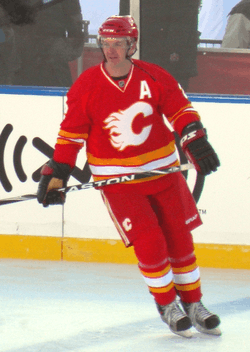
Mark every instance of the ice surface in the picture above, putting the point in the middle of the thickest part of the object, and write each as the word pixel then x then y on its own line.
pixel 65 306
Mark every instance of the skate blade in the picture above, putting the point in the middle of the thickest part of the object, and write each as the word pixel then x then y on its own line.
pixel 215 331
pixel 184 333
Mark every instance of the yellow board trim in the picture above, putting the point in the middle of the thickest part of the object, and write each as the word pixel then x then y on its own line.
pixel 112 251
pixel 30 247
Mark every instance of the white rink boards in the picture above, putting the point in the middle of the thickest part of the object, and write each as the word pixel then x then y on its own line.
pixel 36 115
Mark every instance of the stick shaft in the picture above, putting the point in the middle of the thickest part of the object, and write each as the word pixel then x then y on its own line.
pixel 102 183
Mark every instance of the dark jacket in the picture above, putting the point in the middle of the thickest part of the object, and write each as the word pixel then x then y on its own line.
pixel 45 48
pixel 168 34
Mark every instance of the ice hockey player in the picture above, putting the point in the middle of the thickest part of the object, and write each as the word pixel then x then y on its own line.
pixel 116 109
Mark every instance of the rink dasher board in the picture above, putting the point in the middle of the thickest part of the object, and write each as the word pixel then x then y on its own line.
pixel 37 112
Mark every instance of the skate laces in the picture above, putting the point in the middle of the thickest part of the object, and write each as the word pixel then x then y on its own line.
pixel 201 311
pixel 173 312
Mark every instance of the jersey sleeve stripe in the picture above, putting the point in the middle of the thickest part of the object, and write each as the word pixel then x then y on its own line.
pixel 185 110
pixel 65 138
pixel 66 134
pixel 66 141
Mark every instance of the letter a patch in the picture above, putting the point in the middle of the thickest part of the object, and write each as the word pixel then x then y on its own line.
pixel 145 91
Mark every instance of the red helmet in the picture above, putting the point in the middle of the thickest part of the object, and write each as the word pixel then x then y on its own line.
pixel 119 26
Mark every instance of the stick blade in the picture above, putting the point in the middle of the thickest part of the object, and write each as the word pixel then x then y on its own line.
pixel 17 199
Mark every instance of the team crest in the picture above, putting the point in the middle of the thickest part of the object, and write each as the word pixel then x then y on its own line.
pixel 120 126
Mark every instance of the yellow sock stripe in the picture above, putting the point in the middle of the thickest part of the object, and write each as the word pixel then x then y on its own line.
pixel 185 269
pixel 156 274
pixel 162 289
pixel 188 287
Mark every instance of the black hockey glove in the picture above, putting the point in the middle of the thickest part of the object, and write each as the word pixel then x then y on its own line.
pixel 54 175
pixel 198 150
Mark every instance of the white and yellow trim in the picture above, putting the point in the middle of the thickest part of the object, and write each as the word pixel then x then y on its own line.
pixel 157 279
pixel 187 278
pixel 121 170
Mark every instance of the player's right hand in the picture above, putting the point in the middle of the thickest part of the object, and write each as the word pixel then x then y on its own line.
pixel 53 177
pixel 198 150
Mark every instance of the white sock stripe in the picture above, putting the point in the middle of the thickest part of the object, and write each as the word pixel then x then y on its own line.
pixel 187 278
pixel 160 281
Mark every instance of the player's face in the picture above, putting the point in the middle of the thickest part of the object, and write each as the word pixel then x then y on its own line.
pixel 115 50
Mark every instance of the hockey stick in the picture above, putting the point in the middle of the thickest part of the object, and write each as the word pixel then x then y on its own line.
pixel 106 182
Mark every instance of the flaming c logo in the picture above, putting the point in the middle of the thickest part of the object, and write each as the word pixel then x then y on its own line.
pixel 120 125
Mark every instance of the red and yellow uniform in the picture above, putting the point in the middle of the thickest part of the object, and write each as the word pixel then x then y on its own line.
pixel 124 127
pixel 122 123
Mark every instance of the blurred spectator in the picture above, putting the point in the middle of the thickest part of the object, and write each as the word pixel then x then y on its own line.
pixel 18 11
pixel 45 48
pixel 11 12
pixel 169 35
pixel 237 34
pixel 8 56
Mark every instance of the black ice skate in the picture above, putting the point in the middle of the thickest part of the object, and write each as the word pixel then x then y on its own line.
pixel 178 322
pixel 202 319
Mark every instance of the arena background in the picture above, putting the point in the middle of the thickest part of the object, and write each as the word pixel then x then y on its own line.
pixel 82 230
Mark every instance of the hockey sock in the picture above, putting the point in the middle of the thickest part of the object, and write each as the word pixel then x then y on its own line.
pixel 187 278
pixel 151 251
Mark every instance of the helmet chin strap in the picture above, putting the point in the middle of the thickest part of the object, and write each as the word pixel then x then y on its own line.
pixel 129 56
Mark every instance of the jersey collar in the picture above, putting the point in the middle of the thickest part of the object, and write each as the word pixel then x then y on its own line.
pixel 116 83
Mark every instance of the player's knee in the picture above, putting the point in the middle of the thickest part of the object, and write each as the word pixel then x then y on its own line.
pixel 150 247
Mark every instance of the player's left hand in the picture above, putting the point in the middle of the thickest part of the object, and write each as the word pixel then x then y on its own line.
pixel 198 150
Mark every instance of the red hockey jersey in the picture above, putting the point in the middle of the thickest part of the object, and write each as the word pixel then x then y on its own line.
pixel 122 122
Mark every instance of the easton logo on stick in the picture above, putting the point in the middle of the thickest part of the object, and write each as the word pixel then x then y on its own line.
pixel 104 182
